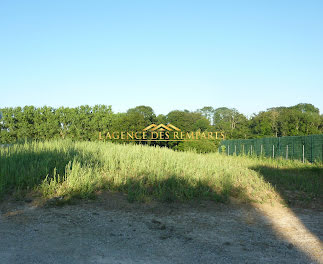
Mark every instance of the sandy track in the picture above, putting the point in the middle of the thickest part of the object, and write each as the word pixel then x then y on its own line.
pixel 111 230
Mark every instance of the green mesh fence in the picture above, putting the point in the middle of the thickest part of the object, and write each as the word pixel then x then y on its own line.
pixel 304 148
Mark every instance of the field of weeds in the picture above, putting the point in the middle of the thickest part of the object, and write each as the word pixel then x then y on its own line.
pixel 68 169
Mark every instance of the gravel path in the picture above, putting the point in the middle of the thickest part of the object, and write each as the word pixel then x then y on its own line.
pixel 111 230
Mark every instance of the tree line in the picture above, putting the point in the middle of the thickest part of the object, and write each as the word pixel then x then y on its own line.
pixel 85 122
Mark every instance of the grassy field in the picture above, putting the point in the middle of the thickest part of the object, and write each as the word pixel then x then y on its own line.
pixel 80 169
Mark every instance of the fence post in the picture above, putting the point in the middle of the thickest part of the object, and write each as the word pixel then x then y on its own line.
pixel 303 154
pixel 242 149
pixel 261 150
pixel 273 151
pixel 312 149
pixel 235 150
pixel 287 152
pixel 228 150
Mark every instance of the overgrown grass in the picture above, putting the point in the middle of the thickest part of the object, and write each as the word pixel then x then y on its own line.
pixel 79 169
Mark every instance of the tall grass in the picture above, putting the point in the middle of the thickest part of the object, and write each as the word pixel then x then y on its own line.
pixel 79 169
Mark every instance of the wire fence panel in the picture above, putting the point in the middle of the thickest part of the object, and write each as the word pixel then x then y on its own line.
pixel 303 148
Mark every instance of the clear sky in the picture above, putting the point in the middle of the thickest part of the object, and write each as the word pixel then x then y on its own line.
pixel 169 55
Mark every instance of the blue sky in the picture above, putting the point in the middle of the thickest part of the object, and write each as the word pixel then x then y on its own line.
pixel 170 55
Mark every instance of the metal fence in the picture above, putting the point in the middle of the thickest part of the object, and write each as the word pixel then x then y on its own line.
pixel 304 148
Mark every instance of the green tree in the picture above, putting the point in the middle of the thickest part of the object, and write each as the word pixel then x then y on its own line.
pixel 145 111
pixel 208 112
pixel 233 123
pixel 101 120
pixel 188 121
pixel 46 123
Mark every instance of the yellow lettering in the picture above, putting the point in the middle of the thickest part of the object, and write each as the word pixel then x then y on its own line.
pixel 136 136
pixel 190 135
pixel 161 135
pixel 114 137
pixel 154 133
pixel 129 135
pixel 108 136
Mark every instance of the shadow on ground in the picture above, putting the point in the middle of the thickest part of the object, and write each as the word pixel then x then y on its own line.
pixel 306 184
pixel 112 230
pixel 201 235
pixel 300 189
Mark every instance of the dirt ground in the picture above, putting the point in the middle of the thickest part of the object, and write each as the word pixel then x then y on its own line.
pixel 112 230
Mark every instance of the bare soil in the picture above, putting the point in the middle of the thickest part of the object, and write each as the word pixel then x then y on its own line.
pixel 112 230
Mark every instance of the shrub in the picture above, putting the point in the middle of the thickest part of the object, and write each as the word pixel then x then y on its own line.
pixel 199 146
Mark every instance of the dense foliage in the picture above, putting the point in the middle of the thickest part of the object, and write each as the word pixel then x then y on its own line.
pixel 85 122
